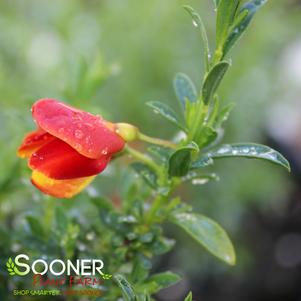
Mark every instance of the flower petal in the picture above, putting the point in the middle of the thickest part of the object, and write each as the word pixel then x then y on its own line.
pixel 59 188
pixel 90 135
pixel 60 161
pixel 32 142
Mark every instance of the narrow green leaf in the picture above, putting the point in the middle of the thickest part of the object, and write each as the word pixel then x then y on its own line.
pixel 146 173
pixel 226 11
pixel 204 161
pixel 160 152
pixel 213 80
pixel 36 227
pixel 224 114
pixel 165 279
pixel 61 219
pixel 250 150
pixel 188 297
pixel 165 111
pixel 197 22
pixel 161 280
pixel 162 245
pixel 179 162
pixel 127 290
pixel 208 233
pixel 185 89
pixel 242 22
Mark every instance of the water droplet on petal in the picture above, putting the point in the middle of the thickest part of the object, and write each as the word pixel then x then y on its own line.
pixel 78 134
pixel 104 151
pixel 78 147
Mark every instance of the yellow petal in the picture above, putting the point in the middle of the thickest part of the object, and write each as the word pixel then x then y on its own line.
pixel 59 188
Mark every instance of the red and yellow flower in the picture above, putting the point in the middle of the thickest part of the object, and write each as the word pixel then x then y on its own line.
pixel 68 148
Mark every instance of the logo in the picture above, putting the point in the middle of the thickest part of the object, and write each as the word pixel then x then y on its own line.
pixel 21 266
pixel 12 269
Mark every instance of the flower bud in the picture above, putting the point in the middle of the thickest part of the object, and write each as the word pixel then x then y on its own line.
pixel 127 131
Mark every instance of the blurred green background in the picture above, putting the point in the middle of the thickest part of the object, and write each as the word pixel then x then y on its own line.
pixel 111 57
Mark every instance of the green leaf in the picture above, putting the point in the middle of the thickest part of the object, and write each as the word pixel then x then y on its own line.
pixel 127 290
pixel 200 179
pixel 185 89
pixel 162 245
pixel 242 22
pixel 61 219
pixel 146 173
pixel 102 203
pixel 224 114
pixel 188 297
pixel 36 227
pixel 208 233
pixel 206 136
pixel 216 2
pixel 203 161
pixel 226 11
pixel 197 22
pixel 213 80
pixel 165 111
pixel 161 153
pixel 161 280
pixel 250 150
pixel 179 162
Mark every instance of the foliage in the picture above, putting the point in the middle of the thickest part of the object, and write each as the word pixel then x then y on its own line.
pixel 132 233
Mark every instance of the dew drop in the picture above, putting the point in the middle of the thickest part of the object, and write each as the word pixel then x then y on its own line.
pixel 245 150
pixel 194 23
pixel 78 147
pixel 253 150
pixel 199 181
pixel 224 149
pixel 89 125
pixel 78 134
pixel 104 151
pixel 90 236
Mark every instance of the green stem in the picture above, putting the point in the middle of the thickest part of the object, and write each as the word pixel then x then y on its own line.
pixel 143 158
pixel 198 119
pixel 157 141
pixel 154 208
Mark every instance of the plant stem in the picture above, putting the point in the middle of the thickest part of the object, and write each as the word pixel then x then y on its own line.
pixel 143 158
pixel 154 208
pixel 157 141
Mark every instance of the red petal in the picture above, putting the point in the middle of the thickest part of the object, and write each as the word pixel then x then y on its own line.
pixel 32 142
pixel 90 135
pixel 58 160
pixel 59 188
